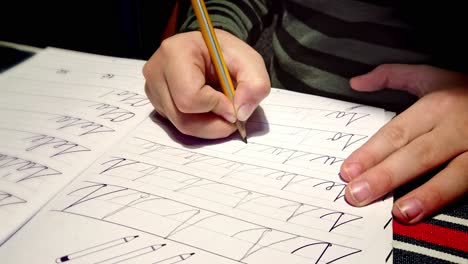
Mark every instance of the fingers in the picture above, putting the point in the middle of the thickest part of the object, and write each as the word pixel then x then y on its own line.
pixel 421 155
pixel 415 79
pixel 204 125
pixel 395 76
pixel 170 63
pixel 247 69
pixel 187 82
pixel 447 186
pixel 191 95
pixel 179 75
pixel 393 136
pixel 154 100
pixel 430 133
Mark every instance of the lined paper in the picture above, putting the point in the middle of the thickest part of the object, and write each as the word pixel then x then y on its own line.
pixel 157 196
pixel 60 110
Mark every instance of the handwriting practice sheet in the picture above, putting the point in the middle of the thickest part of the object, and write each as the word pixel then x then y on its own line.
pixel 59 111
pixel 129 188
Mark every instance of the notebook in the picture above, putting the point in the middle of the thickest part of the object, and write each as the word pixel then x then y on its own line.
pixel 89 173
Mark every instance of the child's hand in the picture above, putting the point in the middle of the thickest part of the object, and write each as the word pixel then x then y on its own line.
pixel 181 84
pixel 430 133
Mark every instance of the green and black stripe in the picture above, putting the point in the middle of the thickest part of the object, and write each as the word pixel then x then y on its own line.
pixel 319 44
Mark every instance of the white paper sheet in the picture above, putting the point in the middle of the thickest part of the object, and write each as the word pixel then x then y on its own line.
pixel 59 111
pixel 161 197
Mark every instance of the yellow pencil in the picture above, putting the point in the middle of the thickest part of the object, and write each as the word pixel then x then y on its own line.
pixel 217 57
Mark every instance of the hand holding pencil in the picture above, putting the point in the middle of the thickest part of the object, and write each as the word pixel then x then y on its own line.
pixel 217 58
pixel 184 87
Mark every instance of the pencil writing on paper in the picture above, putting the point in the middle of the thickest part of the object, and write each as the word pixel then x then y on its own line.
pixel 220 66
pixel 50 132
pixel 277 199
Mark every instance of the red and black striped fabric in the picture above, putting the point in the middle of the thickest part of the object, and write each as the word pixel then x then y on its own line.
pixel 439 240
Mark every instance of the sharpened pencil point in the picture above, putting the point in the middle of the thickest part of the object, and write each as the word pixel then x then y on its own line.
pixel 241 128
pixel 209 36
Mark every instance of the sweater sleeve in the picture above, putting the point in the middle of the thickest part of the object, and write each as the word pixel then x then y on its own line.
pixel 246 19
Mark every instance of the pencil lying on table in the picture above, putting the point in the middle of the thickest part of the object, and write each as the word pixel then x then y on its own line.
pixel 217 58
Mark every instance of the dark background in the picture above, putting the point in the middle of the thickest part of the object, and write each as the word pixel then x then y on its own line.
pixel 124 28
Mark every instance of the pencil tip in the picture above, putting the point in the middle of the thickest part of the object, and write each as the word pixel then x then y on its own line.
pixel 241 128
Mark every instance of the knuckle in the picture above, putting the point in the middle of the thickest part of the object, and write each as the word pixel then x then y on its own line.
pixel 443 100
pixel 154 99
pixel 167 49
pixel 397 136
pixel 256 55
pixel 184 103
pixel 260 88
pixel 152 70
pixel 166 45
pixel 176 43
pixel 426 154
pixel 148 91
pixel 447 99
pixel 265 88
pixel 384 70
pixel 147 70
pixel 213 102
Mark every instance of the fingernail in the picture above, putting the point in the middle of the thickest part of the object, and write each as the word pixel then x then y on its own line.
pixel 351 171
pixel 360 191
pixel 244 112
pixel 230 117
pixel 410 208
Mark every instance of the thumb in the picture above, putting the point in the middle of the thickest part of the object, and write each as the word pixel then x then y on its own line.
pixel 415 79
pixel 251 80
pixel 248 96
pixel 249 74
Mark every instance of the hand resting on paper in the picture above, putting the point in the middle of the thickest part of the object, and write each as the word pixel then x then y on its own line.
pixel 181 84
pixel 432 132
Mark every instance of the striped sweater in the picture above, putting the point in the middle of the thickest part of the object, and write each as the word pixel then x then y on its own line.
pixel 319 44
